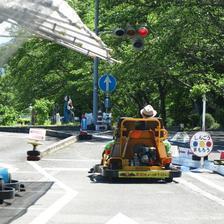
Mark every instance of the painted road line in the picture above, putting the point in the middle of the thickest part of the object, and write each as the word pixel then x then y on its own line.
pixel 206 181
pixel 48 213
pixel 65 169
pixel 103 136
pixel 202 192
pixel 10 167
pixel 121 219
pixel 71 160
pixel 20 208
pixel 89 143
pixel 25 172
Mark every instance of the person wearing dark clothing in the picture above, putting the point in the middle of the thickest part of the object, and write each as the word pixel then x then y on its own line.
pixel 65 110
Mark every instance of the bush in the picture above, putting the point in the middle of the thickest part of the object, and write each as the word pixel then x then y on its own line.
pixel 195 122
pixel 219 114
pixel 23 120
pixel 210 122
pixel 42 109
pixel 8 115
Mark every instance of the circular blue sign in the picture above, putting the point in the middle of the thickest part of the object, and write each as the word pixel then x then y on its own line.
pixel 107 83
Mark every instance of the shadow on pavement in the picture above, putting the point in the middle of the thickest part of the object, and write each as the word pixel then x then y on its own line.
pixel 102 180
pixel 13 209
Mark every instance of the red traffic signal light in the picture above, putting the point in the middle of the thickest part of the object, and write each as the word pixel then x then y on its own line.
pixel 143 31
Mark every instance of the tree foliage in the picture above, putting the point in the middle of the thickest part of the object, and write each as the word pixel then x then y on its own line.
pixel 182 59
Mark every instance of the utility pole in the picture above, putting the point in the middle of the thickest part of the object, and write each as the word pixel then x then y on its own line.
pixel 95 66
pixel 203 111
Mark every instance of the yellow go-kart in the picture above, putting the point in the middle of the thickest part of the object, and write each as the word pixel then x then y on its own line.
pixel 137 151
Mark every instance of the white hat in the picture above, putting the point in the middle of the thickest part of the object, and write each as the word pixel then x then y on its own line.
pixel 148 111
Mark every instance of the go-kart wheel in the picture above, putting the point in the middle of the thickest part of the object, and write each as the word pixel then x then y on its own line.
pixel 33 158
pixel 169 179
pixel 10 177
pixel 1 184
pixel 1 189
pixel 33 153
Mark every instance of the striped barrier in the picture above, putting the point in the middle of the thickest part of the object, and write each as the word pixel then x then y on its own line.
pixel 182 157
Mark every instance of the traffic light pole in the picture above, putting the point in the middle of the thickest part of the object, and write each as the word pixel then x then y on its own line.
pixel 95 67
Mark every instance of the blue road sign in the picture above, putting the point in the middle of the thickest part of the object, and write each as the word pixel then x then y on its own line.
pixel 107 83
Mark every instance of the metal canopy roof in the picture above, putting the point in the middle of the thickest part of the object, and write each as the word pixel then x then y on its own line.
pixel 55 20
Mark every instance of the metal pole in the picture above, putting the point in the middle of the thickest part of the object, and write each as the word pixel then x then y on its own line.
pixel 95 67
pixel 203 112
pixel 203 124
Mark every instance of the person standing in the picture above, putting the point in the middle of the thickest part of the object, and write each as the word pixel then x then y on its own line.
pixel 70 107
pixel 65 110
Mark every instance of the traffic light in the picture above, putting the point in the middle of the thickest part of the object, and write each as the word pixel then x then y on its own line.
pixel 119 32
pixel 136 33
pixel 137 43
pixel 141 32
pixel 130 31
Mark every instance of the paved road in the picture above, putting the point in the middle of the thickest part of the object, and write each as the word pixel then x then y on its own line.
pixel 196 198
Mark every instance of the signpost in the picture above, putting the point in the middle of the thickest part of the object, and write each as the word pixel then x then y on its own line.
pixel 107 83
pixel 37 134
pixel 201 145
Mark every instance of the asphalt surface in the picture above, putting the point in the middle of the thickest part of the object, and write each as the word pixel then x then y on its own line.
pixel 196 198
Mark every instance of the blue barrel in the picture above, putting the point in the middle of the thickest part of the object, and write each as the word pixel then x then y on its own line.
pixel 4 174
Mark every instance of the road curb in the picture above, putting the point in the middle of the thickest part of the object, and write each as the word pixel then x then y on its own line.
pixel 63 143
pixel 57 134
pixel 58 145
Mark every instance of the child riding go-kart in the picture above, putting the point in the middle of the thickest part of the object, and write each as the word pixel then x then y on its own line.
pixel 137 151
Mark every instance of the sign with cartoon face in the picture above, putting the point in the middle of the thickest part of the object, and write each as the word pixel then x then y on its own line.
pixel 201 143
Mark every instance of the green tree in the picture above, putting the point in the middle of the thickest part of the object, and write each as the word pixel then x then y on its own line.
pixel 182 59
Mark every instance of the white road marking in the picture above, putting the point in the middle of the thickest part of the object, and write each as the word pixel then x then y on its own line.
pixel 48 213
pixel 90 143
pixel 25 172
pixel 65 169
pixel 206 181
pixel 14 135
pixel 103 136
pixel 20 208
pixel 202 192
pixel 10 167
pixel 121 219
pixel 71 160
